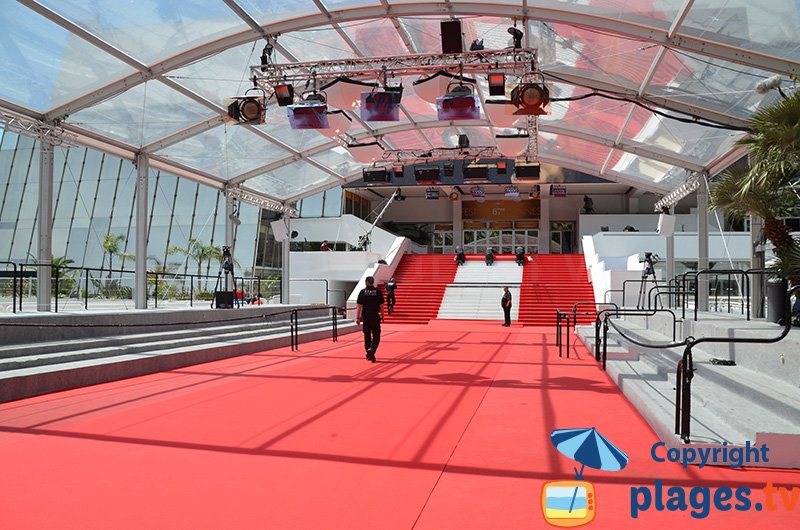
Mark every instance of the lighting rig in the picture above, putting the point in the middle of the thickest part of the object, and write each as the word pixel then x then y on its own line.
pixel 242 195
pixel 422 155
pixel 38 130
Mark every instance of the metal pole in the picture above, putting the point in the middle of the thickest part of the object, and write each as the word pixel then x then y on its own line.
pixel 86 291
pixel 285 266
pixel 142 173
pixel 670 257
pixel 44 220
pixel 702 241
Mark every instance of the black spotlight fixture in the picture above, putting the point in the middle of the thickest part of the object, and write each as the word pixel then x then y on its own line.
pixel 531 98
pixel 246 109
pixel 463 141
pixel 516 34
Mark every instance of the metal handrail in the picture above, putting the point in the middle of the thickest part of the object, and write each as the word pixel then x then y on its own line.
pixel 602 315
pixel 14 287
pixel 560 318
pixel 316 280
pixel 640 281
pixel 605 295
pixel 746 281
pixel 685 369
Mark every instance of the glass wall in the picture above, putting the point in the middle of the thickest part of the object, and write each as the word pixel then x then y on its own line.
pixel 93 200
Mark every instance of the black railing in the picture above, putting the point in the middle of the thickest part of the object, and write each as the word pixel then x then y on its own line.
pixel 14 276
pixel 561 319
pixel 729 272
pixel 685 369
pixel 601 342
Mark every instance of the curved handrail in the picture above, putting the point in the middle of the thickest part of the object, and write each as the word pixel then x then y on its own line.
pixel 745 278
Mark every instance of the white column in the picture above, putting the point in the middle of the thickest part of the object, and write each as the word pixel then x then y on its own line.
pixel 44 221
pixel 756 262
pixel 544 220
pixel 458 225
pixel 702 242
pixel 142 173
pixel 285 248
pixel 670 256
pixel 230 226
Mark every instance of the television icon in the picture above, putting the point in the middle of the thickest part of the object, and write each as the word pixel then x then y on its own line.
pixel 568 503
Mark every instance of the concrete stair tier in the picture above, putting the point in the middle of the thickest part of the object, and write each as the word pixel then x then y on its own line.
pixel 33 368
pixel 550 282
pixel 477 289
pixel 421 282
pixel 749 402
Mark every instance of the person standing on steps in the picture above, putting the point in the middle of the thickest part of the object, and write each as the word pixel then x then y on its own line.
pixel 505 302
pixel 370 312
pixel 390 298
pixel 520 256
pixel 460 257
pixel 489 259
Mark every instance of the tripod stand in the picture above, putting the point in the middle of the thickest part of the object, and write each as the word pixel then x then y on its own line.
pixel 648 272
pixel 224 299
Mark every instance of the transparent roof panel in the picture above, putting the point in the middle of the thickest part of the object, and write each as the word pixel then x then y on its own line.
pixel 698 144
pixel 339 160
pixel 377 38
pixel 660 14
pixel 563 146
pixel 340 4
pixel 423 32
pixel 143 114
pixel 278 127
pixel 291 180
pixel 268 12
pixel 408 140
pixel 323 43
pixel 640 167
pixel 224 74
pixel 226 151
pixel 768 26
pixel 708 83
pixel 597 113
pixel 149 30
pixel 43 65
pixel 597 56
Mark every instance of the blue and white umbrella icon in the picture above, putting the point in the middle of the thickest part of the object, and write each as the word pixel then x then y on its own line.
pixel 590 448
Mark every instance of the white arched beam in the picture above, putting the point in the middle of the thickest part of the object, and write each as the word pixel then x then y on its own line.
pixel 701 46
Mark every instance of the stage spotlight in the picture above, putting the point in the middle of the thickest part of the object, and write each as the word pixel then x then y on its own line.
pixel 432 194
pixel 497 83
pixel 310 113
pixel 458 104
pixel 528 171
pixel 284 94
pixel 246 109
pixel 463 141
pixel 381 106
pixel 425 174
pixel 516 34
pixel 375 175
pixel 531 98
pixel 398 170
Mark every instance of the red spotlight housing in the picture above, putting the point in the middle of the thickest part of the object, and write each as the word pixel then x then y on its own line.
pixel 284 94
pixel 497 83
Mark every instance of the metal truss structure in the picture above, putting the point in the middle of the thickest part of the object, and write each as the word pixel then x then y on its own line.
pixel 514 61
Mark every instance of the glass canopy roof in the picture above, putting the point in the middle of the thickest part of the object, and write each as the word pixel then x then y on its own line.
pixel 645 90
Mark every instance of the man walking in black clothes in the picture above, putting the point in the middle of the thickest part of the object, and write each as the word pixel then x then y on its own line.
pixel 390 299
pixel 460 257
pixel 370 311
pixel 489 259
pixel 505 302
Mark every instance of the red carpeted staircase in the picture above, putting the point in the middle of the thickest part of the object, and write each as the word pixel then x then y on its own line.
pixel 550 282
pixel 421 282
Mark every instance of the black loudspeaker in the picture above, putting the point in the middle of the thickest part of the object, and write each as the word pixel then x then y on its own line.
pixel 427 173
pixel 223 299
pixel 451 36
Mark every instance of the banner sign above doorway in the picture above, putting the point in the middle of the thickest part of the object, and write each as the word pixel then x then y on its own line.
pixel 500 210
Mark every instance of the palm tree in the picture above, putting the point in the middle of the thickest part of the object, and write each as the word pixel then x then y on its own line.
pixel 200 253
pixel 111 246
pixel 774 144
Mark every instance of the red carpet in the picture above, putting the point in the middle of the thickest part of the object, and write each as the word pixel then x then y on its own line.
pixel 554 281
pixel 421 282
pixel 449 430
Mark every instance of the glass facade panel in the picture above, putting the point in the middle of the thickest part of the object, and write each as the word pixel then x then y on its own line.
pixel 333 202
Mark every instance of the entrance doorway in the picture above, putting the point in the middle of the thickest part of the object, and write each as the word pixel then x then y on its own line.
pixel 562 236
pixel 478 241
